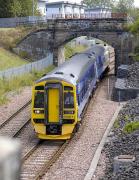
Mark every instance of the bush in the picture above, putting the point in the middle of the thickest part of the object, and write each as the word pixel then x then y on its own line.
pixel 70 51
pixel 24 54
pixel 137 49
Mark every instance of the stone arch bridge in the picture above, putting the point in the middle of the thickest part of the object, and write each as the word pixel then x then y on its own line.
pixel 60 31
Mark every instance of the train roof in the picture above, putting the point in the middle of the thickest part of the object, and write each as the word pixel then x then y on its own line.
pixel 72 70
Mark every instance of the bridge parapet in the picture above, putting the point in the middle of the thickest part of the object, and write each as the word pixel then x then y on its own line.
pixel 76 25
pixel 102 15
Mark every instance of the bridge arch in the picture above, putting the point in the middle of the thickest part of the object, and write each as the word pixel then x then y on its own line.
pixel 59 32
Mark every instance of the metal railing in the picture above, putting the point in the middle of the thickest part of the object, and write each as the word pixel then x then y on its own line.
pixel 28 68
pixel 88 16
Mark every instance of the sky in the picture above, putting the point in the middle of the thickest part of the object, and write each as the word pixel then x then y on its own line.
pixel 136 3
pixel 78 1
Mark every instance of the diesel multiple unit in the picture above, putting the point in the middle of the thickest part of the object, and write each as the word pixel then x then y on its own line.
pixel 59 98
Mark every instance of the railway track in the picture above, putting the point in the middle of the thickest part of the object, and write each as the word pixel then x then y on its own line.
pixel 21 128
pixel 40 158
pixel 15 123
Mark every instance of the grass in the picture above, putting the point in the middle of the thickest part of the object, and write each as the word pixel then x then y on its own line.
pixel 116 124
pixel 136 57
pixel 117 121
pixel 70 51
pixel 16 84
pixel 9 60
pixel 131 127
pixel 8 40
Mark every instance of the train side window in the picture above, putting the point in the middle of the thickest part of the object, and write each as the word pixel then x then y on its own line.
pixel 93 72
pixel 39 100
pixel 100 61
pixel 78 97
pixel 68 100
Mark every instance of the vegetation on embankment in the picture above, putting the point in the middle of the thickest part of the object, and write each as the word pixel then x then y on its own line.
pixel 9 60
pixel 134 29
pixel 70 51
pixel 128 127
pixel 131 127
pixel 128 119
pixel 9 37
pixel 16 84
pixel 136 53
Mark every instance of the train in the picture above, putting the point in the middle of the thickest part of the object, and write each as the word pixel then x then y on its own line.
pixel 59 97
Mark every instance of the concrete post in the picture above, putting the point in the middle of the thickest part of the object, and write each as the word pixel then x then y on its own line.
pixel 59 55
pixel 10 154
pixel 122 162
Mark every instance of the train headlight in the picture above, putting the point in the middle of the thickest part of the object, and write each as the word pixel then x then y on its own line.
pixel 68 112
pixel 38 111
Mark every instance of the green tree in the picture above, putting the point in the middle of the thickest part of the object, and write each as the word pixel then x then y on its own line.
pixel 99 3
pixel 15 8
pixel 27 7
pixel 124 6
pixel 5 8
pixel 134 28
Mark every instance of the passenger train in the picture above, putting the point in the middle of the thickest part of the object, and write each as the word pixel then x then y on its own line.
pixel 59 98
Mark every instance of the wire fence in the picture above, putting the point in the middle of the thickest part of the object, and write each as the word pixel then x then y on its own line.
pixel 17 21
pixel 28 68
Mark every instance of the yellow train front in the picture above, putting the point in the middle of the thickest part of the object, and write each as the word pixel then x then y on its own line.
pixel 58 99
pixel 54 113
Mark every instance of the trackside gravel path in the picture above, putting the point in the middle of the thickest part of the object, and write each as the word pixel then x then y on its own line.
pixel 75 161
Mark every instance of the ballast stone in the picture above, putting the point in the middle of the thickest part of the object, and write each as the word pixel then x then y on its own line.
pixel 127 83
pixel 132 79
pixel 122 71
pixel 124 144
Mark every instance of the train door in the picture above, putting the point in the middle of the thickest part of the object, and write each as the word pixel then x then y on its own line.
pixel 53 101
pixel 53 105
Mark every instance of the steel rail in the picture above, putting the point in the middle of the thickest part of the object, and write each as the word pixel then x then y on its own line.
pixel 14 115
pixel 53 159
pixel 21 128
pixel 31 151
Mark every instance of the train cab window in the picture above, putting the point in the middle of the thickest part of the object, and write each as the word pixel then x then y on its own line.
pixel 39 100
pixel 39 88
pixel 68 100
pixel 68 88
